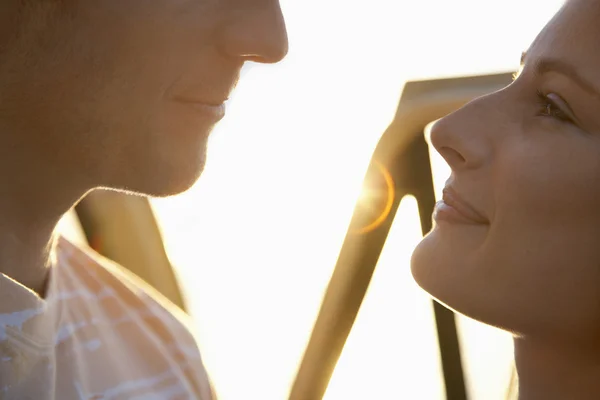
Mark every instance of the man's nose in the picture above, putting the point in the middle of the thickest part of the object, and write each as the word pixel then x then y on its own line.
pixel 255 32
pixel 464 138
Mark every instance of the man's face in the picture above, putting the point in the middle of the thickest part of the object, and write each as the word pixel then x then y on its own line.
pixel 123 94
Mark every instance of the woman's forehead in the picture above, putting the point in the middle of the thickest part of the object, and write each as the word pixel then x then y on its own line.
pixel 572 36
pixel 575 24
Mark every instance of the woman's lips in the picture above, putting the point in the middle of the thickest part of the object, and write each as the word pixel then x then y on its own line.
pixel 452 208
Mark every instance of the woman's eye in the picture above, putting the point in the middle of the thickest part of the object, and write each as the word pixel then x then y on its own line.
pixel 549 107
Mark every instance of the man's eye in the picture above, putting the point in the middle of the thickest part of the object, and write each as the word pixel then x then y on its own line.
pixel 549 107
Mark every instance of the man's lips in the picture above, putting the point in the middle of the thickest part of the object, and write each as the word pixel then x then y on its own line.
pixel 213 102
pixel 455 208
pixel 215 109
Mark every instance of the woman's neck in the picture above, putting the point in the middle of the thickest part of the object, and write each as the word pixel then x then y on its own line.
pixel 549 370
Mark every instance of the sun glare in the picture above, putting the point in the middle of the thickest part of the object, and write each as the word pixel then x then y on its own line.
pixel 376 198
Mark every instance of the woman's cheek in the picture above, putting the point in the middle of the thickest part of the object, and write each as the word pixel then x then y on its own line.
pixel 549 180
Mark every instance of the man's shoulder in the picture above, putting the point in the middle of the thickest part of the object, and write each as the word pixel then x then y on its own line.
pixel 96 270
pixel 118 292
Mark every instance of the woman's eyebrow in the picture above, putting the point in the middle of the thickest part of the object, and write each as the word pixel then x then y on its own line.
pixel 544 65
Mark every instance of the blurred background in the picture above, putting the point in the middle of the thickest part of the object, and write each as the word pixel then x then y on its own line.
pixel 254 243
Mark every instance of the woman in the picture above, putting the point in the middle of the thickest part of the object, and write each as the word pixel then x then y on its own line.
pixel 516 242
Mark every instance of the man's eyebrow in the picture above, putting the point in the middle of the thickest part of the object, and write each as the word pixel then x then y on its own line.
pixel 545 65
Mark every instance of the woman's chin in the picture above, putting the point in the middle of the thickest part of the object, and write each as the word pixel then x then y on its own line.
pixel 437 268
pixel 428 264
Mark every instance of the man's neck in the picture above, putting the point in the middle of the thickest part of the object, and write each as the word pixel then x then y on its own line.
pixel 552 371
pixel 33 198
pixel 26 259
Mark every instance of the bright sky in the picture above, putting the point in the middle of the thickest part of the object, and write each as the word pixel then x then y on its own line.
pixel 256 240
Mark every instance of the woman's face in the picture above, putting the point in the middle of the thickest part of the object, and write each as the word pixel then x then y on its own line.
pixel 527 158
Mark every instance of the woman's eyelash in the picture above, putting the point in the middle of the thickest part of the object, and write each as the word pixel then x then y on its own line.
pixel 549 108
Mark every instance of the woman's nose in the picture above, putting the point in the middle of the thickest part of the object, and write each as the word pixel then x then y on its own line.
pixel 255 31
pixel 463 138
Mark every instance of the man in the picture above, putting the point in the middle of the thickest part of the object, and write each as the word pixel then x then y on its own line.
pixel 114 94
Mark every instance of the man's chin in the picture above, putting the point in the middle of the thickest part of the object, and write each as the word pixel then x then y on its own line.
pixel 165 182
